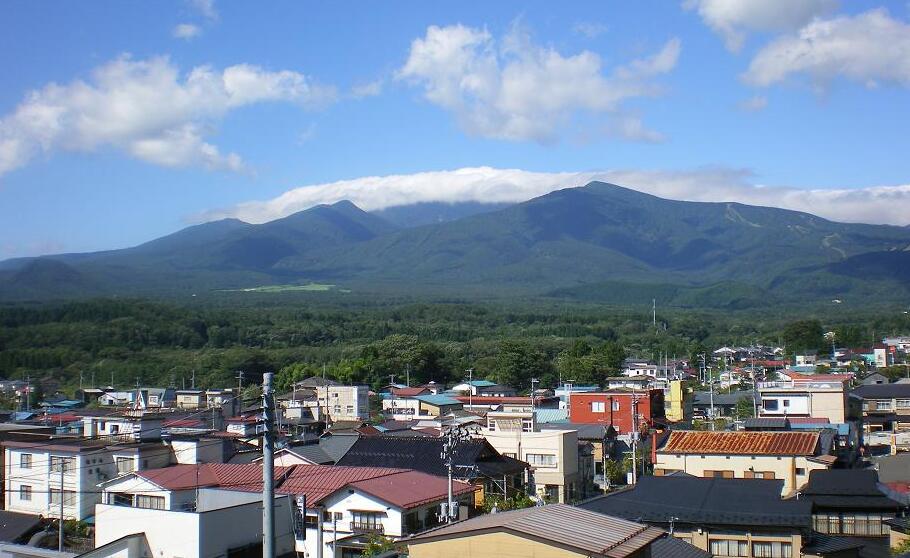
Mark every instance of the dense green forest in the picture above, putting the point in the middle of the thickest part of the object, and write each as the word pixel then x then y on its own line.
pixel 122 342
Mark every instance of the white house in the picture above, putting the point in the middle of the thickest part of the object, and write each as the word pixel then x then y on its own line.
pixel 333 506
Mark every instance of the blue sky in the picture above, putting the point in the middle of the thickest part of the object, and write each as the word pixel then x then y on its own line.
pixel 117 126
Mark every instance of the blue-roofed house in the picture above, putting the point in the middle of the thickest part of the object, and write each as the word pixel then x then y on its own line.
pixel 436 405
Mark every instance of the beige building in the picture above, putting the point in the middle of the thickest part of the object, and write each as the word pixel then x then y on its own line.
pixel 800 395
pixel 344 402
pixel 552 454
pixel 787 456
pixel 553 531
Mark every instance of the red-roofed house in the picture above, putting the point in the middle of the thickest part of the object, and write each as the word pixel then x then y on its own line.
pixel 353 502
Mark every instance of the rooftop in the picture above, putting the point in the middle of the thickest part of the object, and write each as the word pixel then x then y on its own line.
pixel 587 532
pixel 437 400
pixel 883 391
pixel 741 443
pixel 695 500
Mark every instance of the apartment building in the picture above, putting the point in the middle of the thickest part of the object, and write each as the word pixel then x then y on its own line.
pixel 786 456
pixel 885 407
pixel 343 403
pixel 42 471
pixel 813 395
pixel 553 454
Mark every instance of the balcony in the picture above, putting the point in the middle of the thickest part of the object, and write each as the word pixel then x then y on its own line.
pixel 371 528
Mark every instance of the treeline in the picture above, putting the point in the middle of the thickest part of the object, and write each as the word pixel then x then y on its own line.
pixel 126 342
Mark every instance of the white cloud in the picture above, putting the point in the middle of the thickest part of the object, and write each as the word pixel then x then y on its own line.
pixel 367 89
pixel 513 89
pixel 206 8
pixel 186 31
pixel 733 19
pixel 881 204
pixel 590 29
pixel 867 48
pixel 147 109
pixel 754 104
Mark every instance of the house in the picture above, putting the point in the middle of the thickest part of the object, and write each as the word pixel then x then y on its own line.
pixel 806 358
pixel 423 405
pixel 723 404
pixel 473 387
pixel 552 531
pixel 221 398
pixel 725 517
pixel 627 410
pixel 509 404
pixel 849 503
pixel 221 523
pixel 786 456
pixel 476 461
pixel 885 407
pixel 138 426
pixel 338 507
pixel 248 426
pixel 190 398
pixel 813 395
pixel 639 383
pixel 604 443
pixel 344 403
pixel 553 454
pixel 42 471
pixel 874 379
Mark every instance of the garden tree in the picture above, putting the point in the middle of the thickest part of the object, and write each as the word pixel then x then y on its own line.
pixel 744 408
pixel 251 394
pixel 293 373
pixel 517 501
pixel 850 335
pixel 803 335
pixel 376 545
pixel 901 548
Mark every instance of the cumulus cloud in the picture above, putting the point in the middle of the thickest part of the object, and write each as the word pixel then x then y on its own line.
pixel 367 89
pixel 867 48
pixel 513 89
pixel 881 204
pixel 147 109
pixel 754 104
pixel 733 19
pixel 186 31
pixel 206 8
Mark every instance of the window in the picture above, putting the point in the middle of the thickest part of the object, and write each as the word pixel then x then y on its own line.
pixel 125 465
pixel 729 548
pixel 66 464
pixel 115 429
pixel 120 499
pixel 598 407
pixel 69 497
pixel 858 524
pixel 718 474
pixel 772 550
pixel 786 402
pixel 541 459
pixel 903 403
pixel 25 460
pixel 350 409
pixel 366 521
pixel 800 471
pixel 883 405
pixel 337 409
pixel 25 492
pixel 615 405
pixel 509 454
pixel 150 502
pixel 769 404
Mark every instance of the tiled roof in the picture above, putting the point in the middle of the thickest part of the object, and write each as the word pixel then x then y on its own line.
pixel 741 443
pixel 410 391
pixel 566 526
pixel 401 487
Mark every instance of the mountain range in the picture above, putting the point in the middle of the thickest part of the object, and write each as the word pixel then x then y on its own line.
pixel 600 243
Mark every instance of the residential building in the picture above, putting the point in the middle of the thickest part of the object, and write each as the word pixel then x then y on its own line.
pixel 42 471
pixel 552 531
pixel 724 517
pixel 786 456
pixel 423 406
pixel 849 503
pixel 677 402
pixel 885 407
pixel 723 404
pixel 508 404
pixel 344 506
pixel 800 395
pixel 806 358
pixel 343 403
pixel 190 398
pixel 474 387
pixel 627 410
pixel 476 461
pixel 137 426
pixel 220 523
pixel 553 454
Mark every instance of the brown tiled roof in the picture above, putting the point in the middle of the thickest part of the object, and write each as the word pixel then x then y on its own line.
pixel 410 391
pixel 589 532
pixel 742 443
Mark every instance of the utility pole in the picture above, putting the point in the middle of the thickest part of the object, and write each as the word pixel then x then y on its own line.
pixel 470 372
pixel 634 436
pixel 193 380
pixel 268 468
pixel 654 313
pixel 452 439
pixel 533 381
pixel 60 534
pixel 711 384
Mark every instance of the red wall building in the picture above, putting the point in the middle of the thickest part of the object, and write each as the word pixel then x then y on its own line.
pixel 616 407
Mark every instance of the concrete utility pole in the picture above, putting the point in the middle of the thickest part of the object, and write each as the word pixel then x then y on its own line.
pixel 470 372
pixel 60 534
pixel 634 436
pixel 268 468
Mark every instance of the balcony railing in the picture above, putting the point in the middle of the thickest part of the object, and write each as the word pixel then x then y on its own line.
pixel 375 528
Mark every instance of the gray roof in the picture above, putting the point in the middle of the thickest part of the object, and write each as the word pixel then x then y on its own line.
pixel 14 526
pixel 585 431
pixel 704 397
pixel 671 547
pixel 883 391
pixel 336 445
pixel 559 524
pixel 314 453
pixel 894 468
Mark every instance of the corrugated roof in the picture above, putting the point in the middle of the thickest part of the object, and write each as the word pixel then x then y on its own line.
pixel 437 400
pixel 565 526
pixel 741 443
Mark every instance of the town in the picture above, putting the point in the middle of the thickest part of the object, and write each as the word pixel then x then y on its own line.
pixel 744 451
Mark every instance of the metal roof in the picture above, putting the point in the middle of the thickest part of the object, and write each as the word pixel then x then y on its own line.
pixel 437 400
pixel 559 525
pixel 741 443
